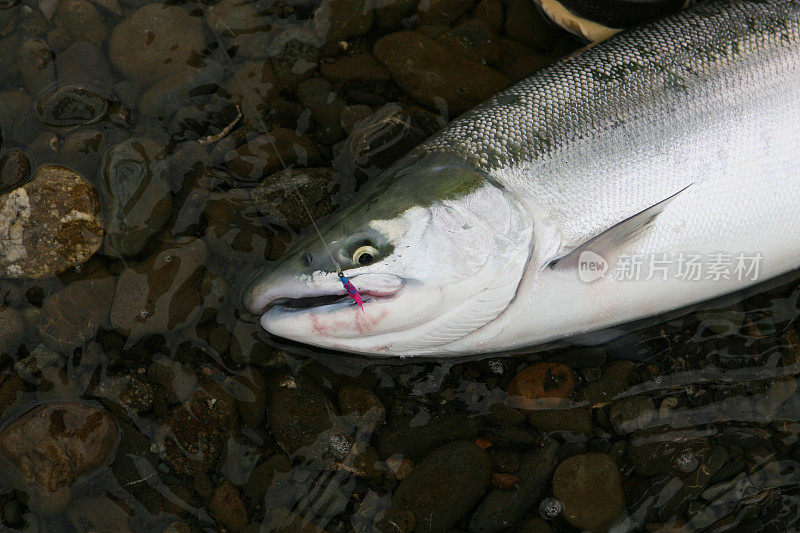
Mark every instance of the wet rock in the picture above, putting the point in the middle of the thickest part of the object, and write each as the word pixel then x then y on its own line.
pixel 98 514
pixel 475 40
pixel 73 315
pixel 352 115
pixel 361 71
pixel 301 416
pixel 446 484
pixel 251 396
pixel 277 196
pixel 38 361
pixel 339 20
pixel 10 390
pixel 178 381
pixel 261 477
pixel 426 70
pixel 53 445
pixel 155 42
pixel 15 167
pixel 242 30
pixel 226 506
pixel 390 14
pixel 388 134
pixel 413 439
pixel 253 88
pixel 631 414
pixel 36 66
pixel 590 486
pixel 524 23
pixel 248 346
pixel 81 21
pixel 82 150
pixel 195 433
pixel 139 201
pixel 654 453
pixel 205 122
pixel 294 54
pixel 266 153
pixel 490 12
pixel 541 385
pixel 11 330
pixel 613 381
pixel 363 403
pixel 128 392
pixel 326 107
pixel 15 111
pixel 71 105
pixel 500 509
pixel 161 293
pixel 168 95
pixel 48 225
pixel 442 12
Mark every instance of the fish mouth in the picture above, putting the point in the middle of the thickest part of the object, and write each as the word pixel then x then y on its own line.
pixel 276 297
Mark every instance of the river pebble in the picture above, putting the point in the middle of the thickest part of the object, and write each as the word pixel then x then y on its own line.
pixel 499 508
pixel 73 315
pixel 590 486
pixel 446 484
pixel 15 168
pixel 49 224
pixel 227 507
pixel 428 71
pixel 194 434
pixel 162 293
pixel 242 30
pixel 11 330
pixel 139 202
pixel 53 445
pixel 156 41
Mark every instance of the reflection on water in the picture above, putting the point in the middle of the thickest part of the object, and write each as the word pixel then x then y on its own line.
pixel 149 159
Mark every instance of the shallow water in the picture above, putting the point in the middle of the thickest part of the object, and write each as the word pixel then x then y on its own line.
pixel 135 395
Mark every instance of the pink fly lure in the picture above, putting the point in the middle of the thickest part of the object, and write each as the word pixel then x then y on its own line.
pixel 352 291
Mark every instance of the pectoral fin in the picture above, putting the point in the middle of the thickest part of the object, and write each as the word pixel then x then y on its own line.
pixel 615 237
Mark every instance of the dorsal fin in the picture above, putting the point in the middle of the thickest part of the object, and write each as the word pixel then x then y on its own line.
pixel 615 237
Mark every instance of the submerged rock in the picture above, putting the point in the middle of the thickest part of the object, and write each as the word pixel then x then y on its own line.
pixel 135 179
pixel 429 71
pixel 71 105
pixel 227 506
pixel 49 224
pixel 270 153
pixel 53 445
pixel 73 315
pixel 446 484
pixel 278 196
pixel 541 385
pixel 11 329
pixel 156 42
pixel 590 486
pixel 194 434
pixel 242 30
pixel 162 293
pixel 15 167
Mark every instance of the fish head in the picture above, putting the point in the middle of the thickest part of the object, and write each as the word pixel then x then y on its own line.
pixel 430 249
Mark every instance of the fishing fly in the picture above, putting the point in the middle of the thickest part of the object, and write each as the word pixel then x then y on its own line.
pixel 346 283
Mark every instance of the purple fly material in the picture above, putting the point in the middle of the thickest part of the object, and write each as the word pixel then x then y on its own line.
pixel 352 291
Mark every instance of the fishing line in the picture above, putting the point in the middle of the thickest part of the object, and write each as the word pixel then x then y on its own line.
pixel 346 283
pixel 270 140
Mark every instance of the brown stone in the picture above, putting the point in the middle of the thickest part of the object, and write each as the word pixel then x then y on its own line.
pixel 227 507
pixel 428 71
pixel 49 224
pixel 590 486
pixel 73 315
pixel 535 386
pixel 54 444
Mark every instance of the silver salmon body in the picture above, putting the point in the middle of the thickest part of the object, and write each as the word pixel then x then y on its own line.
pixel 652 171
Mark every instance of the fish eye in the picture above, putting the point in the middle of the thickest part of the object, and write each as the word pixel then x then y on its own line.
pixel 365 255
